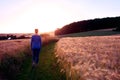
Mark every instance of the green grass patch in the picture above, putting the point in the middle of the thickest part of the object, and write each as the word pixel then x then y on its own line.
pixel 47 69
pixel 92 33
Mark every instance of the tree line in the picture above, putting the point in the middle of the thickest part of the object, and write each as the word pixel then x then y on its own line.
pixel 88 25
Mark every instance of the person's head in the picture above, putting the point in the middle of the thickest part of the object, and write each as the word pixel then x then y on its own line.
pixel 36 31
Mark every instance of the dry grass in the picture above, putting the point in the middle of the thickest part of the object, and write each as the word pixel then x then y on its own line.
pixel 48 39
pixel 11 47
pixel 90 58
pixel 13 54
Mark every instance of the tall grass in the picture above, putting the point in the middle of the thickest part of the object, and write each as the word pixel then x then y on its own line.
pixel 11 66
pixel 18 66
pixel 89 58
pixel 13 47
pixel 12 54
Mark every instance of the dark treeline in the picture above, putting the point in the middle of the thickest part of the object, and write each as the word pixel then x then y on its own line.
pixel 88 25
pixel 9 37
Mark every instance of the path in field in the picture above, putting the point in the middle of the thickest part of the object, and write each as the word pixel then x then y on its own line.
pixel 47 68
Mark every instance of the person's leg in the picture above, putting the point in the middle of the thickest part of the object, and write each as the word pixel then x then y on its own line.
pixel 33 57
pixel 37 56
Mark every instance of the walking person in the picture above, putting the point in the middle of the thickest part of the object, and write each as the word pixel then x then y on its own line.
pixel 36 44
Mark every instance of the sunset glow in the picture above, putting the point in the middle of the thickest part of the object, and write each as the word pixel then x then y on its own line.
pixel 23 16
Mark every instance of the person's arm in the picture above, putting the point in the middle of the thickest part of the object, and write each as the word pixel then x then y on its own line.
pixel 31 42
pixel 40 42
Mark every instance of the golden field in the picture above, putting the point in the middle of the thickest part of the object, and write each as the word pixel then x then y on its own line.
pixel 11 47
pixel 89 58
pixel 16 53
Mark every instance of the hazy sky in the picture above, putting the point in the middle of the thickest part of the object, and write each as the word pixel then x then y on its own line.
pixel 19 16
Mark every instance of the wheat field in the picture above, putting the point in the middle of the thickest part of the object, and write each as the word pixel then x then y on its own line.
pixel 89 58
pixel 11 47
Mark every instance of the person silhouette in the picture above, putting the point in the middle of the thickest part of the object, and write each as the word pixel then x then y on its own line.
pixel 36 45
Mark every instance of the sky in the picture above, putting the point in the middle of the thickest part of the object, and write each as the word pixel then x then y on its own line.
pixel 23 16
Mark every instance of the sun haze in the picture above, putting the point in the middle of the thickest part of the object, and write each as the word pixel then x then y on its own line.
pixel 23 16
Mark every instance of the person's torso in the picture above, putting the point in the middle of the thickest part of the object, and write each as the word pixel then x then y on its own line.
pixel 36 42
